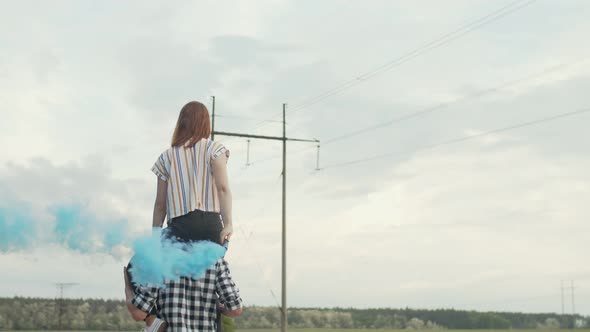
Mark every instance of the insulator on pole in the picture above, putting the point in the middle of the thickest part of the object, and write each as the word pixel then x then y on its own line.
pixel 317 162
pixel 248 154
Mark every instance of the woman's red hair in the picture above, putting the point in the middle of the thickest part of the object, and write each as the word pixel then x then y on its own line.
pixel 193 124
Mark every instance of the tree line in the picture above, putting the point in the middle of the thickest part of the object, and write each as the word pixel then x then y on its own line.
pixel 20 313
pixel 414 319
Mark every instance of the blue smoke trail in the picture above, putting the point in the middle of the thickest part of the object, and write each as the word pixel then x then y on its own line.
pixel 74 228
pixel 71 230
pixel 69 226
pixel 17 230
pixel 80 231
pixel 159 260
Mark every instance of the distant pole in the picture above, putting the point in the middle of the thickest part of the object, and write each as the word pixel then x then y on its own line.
pixel 212 118
pixel 60 306
pixel 573 306
pixel 248 154
pixel 562 298
pixel 317 161
pixel 284 242
pixel 61 302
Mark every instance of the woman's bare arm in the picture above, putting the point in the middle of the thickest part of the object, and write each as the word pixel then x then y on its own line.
pixel 160 204
pixel 225 198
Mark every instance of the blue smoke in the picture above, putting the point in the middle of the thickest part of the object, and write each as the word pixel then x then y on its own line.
pixel 74 228
pixel 159 260
pixel 17 230
pixel 70 226
pixel 80 231
pixel 71 230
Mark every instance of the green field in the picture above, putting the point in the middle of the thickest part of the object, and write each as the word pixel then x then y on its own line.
pixel 349 330
pixel 388 330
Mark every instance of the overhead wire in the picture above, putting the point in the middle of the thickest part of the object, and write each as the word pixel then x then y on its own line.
pixel 462 138
pixel 438 42
pixel 440 106
pixel 257 259
pixel 433 44
pixel 260 270
pixel 245 118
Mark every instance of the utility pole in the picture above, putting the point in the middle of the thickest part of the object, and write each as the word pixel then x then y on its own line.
pixel 248 154
pixel 573 306
pixel 284 322
pixel 284 139
pixel 562 306
pixel 212 117
pixel 61 302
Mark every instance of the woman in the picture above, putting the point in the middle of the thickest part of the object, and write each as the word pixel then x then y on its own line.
pixel 193 188
pixel 192 191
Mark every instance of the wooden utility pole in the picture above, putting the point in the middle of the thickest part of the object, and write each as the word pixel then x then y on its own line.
pixel 572 288
pixel 562 305
pixel 213 117
pixel 284 322
pixel 283 138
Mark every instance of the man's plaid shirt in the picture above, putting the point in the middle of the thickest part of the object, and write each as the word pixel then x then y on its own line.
pixel 191 304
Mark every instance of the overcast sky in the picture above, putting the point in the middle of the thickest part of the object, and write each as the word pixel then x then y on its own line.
pixel 90 92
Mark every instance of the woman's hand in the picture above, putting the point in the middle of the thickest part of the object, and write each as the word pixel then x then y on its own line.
pixel 226 233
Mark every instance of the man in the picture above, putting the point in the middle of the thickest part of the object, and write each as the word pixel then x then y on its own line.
pixel 185 304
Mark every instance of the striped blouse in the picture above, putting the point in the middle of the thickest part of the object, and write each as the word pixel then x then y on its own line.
pixel 188 172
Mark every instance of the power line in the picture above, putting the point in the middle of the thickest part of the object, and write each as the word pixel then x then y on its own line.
pixel 430 109
pixel 297 130
pixel 438 42
pixel 247 238
pixel 245 118
pixel 465 138
pixel 421 112
pixel 433 44
pixel 272 293
pixel 241 228
pixel 439 106
pixel 260 161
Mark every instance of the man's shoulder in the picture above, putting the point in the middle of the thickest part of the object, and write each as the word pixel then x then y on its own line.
pixel 221 263
pixel 222 267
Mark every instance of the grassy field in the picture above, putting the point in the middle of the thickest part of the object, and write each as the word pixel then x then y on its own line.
pixel 350 330
pixel 387 330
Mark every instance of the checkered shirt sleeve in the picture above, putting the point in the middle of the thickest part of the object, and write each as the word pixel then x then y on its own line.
pixel 145 298
pixel 226 288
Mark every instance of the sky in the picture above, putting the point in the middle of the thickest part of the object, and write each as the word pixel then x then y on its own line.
pixel 453 169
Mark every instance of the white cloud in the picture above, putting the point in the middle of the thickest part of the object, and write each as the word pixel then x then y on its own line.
pixel 504 223
pixel 90 96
